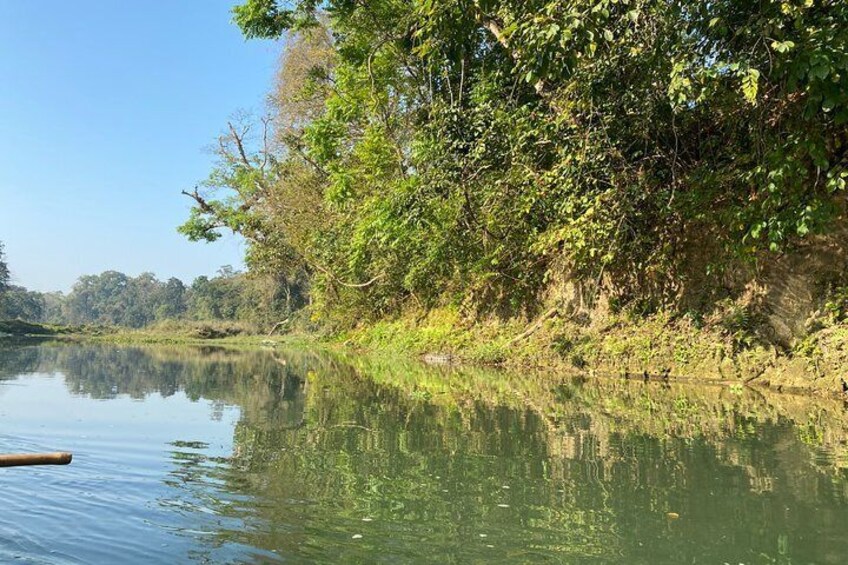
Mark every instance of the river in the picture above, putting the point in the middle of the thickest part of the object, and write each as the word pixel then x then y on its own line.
pixel 293 456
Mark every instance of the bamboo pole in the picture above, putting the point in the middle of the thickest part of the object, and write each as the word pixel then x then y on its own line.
pixel 19 460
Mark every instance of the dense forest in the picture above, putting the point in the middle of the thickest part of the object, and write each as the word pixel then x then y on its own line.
pixel 116 299
pixel 483 154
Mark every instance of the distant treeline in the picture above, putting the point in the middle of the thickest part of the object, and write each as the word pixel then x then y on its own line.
pixel 113 298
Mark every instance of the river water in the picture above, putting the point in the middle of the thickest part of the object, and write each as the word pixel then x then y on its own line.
pixel 216 456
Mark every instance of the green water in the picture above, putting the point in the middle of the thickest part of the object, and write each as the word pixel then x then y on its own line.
pixel 210 456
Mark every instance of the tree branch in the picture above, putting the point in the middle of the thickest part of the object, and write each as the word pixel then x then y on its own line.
pixel 266 152
pixel 239 139
pixel 201 202
pixel 346 284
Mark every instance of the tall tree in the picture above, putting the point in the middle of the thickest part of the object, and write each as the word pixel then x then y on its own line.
pixel 171 300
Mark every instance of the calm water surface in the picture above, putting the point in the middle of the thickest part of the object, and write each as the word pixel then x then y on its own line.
pixel 210 456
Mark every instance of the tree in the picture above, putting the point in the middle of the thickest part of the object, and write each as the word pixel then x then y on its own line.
pixel 220 298
pixel 171 300
pixel 4 270
pixel 265 185
pixel 20 304
pixel 142 295
pixel 478 151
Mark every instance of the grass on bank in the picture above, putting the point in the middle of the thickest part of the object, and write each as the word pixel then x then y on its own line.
pixel 617 346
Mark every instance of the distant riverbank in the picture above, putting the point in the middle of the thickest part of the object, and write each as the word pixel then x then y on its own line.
pixel 188 333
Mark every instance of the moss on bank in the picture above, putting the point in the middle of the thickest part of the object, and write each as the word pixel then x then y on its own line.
pixel 618 347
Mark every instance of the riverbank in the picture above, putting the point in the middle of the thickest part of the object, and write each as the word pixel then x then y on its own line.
pixel 658 347
pixel 21 329
pixel 193 335
pixel 654 347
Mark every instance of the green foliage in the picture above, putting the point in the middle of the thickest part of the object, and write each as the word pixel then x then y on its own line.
pixel 267 19
pixel 744 325
pixel 472 152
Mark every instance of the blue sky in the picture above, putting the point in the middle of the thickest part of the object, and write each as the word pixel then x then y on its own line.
pixel 105 110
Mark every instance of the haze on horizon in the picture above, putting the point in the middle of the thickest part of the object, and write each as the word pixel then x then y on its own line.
pixel 105 114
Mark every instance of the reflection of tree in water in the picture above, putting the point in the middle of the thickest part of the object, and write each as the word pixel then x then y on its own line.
pixel 105 372
pixel 18 359
pixel 216 374
pixel 430 472
pixel 592 468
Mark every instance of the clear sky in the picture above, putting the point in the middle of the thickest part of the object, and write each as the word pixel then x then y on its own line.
pixel 105 109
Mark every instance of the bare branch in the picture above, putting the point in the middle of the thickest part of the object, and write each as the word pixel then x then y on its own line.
pixel 201 202
pixel 346 284
pixel 239 139
pixel 266 151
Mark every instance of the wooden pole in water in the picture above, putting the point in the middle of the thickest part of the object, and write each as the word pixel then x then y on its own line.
pixel 19 460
